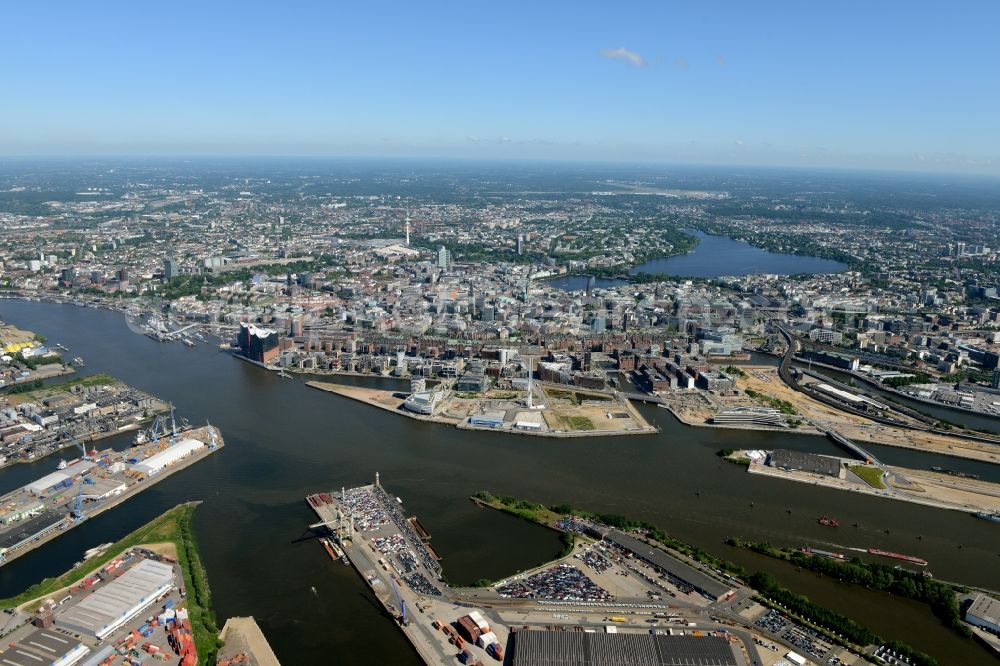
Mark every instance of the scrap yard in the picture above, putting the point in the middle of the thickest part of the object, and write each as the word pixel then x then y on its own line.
pixel 95 482
pixel 614 594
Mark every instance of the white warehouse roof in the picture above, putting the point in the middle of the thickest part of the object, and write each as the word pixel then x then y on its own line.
pixel 41 485
pixel 168 456
pixel 114 604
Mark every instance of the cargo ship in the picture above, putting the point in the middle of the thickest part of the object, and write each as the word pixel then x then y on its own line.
pixel 329 546
pixel 986 515
pixel 829 522
pixel 823 553
pixel 898 556
pixel 333 550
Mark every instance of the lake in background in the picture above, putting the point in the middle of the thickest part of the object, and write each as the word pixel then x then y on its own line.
pixel 717 256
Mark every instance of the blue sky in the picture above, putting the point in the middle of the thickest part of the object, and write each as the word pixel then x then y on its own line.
pixel 889 84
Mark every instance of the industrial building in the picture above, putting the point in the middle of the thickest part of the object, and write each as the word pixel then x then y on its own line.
pixel 985 613
pixel 796 461
pixel 852 399
pixel 167 456
pixel 487 420
pixel 559 648
pixel 44 647
pixel 111 606
pixel 670 565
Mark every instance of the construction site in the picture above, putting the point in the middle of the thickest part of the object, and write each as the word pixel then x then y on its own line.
pixel 95 482
pixel 542 409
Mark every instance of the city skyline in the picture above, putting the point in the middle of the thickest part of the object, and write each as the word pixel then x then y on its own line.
pixel 868 88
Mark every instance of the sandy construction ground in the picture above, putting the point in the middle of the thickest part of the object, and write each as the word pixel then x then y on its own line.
pixel 860 429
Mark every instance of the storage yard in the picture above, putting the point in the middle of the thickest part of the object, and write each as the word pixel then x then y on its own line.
pixel 613 599
pixel 36 423
pixel 44 509
pixel 130 611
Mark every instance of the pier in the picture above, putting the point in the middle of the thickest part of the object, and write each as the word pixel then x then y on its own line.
pixel 108 480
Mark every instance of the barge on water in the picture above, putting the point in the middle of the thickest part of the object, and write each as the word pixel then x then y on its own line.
pixel 823 553
pixel 898 556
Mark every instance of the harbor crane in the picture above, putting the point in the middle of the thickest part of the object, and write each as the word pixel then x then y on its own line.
pixel 403 617
pixel 78 515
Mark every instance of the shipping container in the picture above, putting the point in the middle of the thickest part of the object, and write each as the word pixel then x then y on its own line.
pixel 469 628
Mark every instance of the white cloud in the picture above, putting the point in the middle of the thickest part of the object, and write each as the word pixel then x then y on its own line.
pixel 622 53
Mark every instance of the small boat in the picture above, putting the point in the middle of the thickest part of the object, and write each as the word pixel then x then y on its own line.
pixel 62 464
pixel 829 522
pixel 187 342
pixel 79 361
pixel 993 517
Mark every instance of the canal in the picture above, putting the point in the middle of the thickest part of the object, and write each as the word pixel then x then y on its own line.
pixel 285 440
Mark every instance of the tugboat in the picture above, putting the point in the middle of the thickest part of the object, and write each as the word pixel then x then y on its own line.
pixel 829 522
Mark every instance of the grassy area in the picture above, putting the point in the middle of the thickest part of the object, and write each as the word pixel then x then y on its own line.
pixel 782 406
pixel 174 526
pixel 870 475
pixel 64 387
pixel 577 422
pixel 576 397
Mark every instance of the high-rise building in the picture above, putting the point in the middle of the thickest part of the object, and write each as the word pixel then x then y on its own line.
pixel 520 244
pixel 170 269
pixel 257 344
pixel 444 258
pixel 996 378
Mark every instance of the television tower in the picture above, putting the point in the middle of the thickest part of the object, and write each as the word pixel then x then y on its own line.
pixel 407 231
pixel 529 402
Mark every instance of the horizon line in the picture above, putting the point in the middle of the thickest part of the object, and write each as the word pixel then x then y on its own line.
pixel 493 159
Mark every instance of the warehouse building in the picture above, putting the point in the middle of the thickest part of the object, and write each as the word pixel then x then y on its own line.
pixel 984 612
pixel 44 647
pixel 48 482
pixel 167 456
pixel 559 648
pixel 670 565
pixel 487 420
pixel 114 604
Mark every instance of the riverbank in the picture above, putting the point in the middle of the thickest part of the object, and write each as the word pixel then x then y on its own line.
pixel 558 418
pixel 242 638
pixel 907 485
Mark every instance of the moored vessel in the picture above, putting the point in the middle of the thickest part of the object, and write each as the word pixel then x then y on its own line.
pixel 898 556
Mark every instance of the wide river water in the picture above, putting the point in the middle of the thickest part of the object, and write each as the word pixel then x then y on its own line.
pixel 285 440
